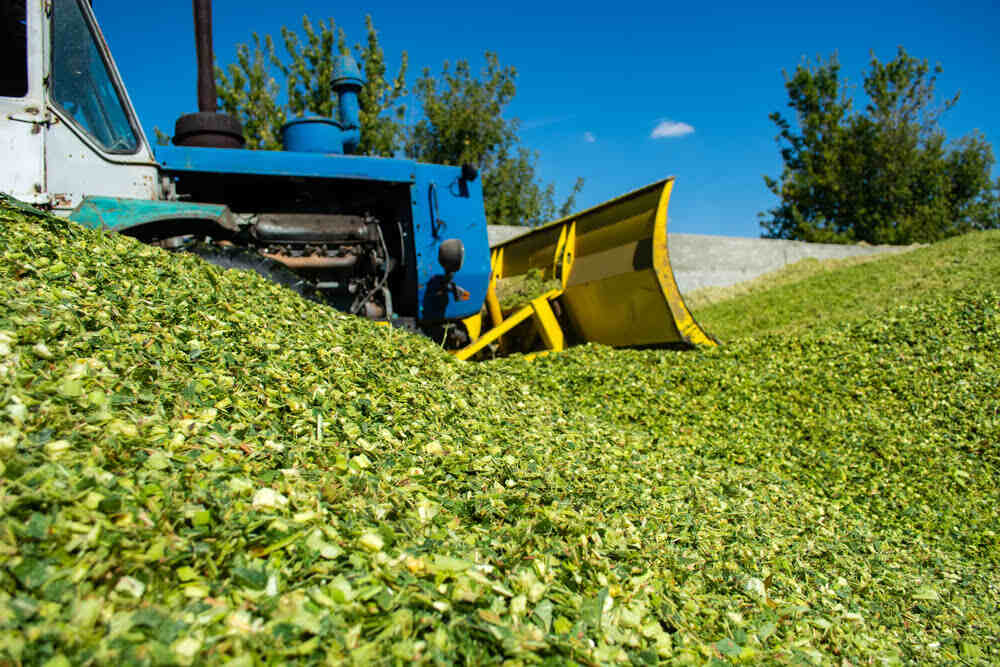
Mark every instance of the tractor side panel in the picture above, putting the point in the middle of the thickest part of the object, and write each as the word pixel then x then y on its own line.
pixel 446 208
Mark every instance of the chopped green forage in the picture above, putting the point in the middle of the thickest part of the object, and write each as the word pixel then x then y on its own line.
pixel 167 495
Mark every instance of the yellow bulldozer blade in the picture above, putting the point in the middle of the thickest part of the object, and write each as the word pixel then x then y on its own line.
pixel 617 286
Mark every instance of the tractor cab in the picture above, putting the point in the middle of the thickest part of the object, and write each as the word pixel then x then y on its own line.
pixel 71 130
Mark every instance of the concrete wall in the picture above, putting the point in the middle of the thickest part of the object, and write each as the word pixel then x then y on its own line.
pixel 500 233
pixel 701 260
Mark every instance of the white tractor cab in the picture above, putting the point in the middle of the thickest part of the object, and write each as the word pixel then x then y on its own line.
pixel 70 128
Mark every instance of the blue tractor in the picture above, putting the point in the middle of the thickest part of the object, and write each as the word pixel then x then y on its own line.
pixel 390 239
pixel 393 240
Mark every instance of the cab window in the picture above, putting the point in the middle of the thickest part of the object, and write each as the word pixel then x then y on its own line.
pixel 13 49
pixel 82 84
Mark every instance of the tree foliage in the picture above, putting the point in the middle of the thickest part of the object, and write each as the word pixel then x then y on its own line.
pixel 461 117
pixel 309 75
pixel 463 123
pixel 382 113
pixel 885 174
pixel 249 91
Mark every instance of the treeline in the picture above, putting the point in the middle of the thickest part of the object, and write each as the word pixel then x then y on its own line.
pixel 883 172
pixel 460 112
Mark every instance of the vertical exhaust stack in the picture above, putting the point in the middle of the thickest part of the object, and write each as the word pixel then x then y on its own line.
pixel 208 127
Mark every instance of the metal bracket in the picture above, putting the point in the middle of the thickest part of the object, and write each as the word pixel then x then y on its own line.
pixel 496 273
pixel 539 309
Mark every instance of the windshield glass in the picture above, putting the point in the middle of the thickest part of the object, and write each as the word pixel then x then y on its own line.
pixel 82 83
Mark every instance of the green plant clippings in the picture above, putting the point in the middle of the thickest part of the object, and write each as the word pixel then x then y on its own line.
pixel 825 494
pixel 519 290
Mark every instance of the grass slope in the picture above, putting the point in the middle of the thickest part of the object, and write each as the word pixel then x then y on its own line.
pixel 199 468
pixel 858 291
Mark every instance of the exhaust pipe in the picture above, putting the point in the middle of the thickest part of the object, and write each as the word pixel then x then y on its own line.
pixel 207 94
pixel 208 127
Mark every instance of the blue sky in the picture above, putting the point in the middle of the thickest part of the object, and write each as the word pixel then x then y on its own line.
pixel 596 81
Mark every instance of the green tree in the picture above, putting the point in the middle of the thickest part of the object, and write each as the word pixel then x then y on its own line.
pixel 382 113
pixel 250 94
pixel 513 194
pixel 463 123
pixel 248 91
pixel 461 115
pixel 885 174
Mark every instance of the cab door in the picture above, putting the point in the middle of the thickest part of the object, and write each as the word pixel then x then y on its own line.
pixel 94 145
pixel 23 115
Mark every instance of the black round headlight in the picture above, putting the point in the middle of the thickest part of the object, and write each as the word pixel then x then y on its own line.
pixel 451 254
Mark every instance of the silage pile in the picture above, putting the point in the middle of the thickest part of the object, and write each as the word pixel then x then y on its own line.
pixel 200 468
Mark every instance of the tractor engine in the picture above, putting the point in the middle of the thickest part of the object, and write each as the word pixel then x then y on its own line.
pixel 345 256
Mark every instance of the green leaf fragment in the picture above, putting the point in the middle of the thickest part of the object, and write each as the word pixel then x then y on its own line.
pixel 267 498
pixel 158 461
pixel 71 388
pixel 543 612
pixel 442 563
pixel 255 579
pixel 130 586
pixel 186 649
pixel 57 448
pixel 31 573
pixel 926 593
pixel 728 647
pixel 371 541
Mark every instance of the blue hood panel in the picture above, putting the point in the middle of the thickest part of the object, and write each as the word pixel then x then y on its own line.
pixel 284 163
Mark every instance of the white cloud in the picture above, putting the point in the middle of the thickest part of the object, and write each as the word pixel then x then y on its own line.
pixel 589 137
pixel 668 129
